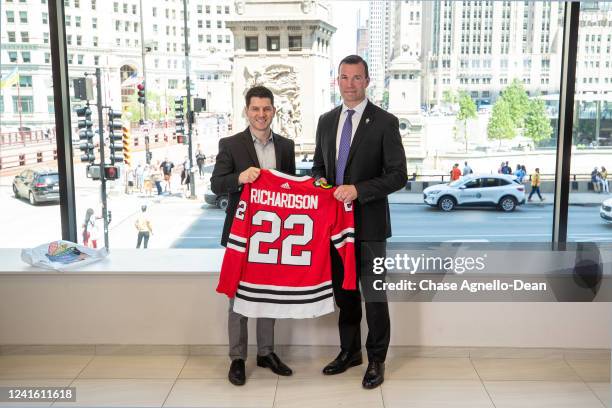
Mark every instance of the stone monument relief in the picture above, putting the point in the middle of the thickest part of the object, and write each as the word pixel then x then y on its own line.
pixel 239 5
pixel 283 82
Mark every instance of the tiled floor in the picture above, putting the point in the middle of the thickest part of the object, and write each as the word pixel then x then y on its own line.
pixel 556 380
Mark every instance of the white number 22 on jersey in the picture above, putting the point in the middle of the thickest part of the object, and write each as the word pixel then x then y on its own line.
pixel 287 258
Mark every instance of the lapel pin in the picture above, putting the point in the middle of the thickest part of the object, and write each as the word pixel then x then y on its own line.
pixel 367 120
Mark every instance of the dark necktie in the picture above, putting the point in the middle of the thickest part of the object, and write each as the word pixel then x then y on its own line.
pixel 344 147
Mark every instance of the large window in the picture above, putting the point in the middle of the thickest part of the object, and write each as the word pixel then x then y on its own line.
pixel 29 195
pixel 469 107
pixel 590 215
pixel 476 110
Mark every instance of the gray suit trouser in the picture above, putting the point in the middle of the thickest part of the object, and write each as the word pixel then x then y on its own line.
pixel 239 334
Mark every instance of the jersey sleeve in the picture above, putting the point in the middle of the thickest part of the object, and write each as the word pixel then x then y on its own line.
pixel 343 238
pixel 235 258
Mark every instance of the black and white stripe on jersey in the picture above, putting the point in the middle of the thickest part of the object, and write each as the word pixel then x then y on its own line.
pixel 346 235
pixel 237 243
pixel 284 294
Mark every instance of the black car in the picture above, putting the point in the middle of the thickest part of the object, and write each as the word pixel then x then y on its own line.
pixel 37 185
pixel 302 168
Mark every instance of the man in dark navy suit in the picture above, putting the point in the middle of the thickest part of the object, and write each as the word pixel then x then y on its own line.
pixel 359 149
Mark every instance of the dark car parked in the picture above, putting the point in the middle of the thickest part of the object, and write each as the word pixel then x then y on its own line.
pixel 37 185
pixel 302 168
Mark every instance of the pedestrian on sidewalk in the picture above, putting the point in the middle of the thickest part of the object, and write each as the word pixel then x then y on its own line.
pixel 200 159
pixel 139 177
pixel 455 172
pixel 596 180
pixel 143 225
pixel 186 176
pixel 90 229
pixel 129 178
pixel 535 184
pixel 166 168
pixel 156 177
pixel 467 170
pixel 604 180
pixel 148 182
pixel 520 173
pixel 505 168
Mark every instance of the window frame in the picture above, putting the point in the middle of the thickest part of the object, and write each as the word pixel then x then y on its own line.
pixel 62 114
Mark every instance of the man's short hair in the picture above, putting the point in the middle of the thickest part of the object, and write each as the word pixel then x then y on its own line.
pixel 355 59
pixel 258 92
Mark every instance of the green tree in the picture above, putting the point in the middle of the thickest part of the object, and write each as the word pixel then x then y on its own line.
pixel 501 126
pixel 449 97
pixel 385 100
pixel 467 110
pixel 537 124
pixel 518 102
pixel 155 109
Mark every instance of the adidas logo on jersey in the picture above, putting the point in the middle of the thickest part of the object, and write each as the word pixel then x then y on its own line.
pixel 286 186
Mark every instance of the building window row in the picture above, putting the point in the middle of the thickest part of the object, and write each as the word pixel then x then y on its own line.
pixel 12 37
pixel 273 43
pixel 125 8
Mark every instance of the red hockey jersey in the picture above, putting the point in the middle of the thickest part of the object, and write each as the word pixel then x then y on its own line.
pixel 277 262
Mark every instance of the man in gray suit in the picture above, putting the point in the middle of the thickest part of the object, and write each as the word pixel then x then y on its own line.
pixel 239 161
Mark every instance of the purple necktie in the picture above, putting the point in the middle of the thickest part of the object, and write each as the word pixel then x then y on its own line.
pixel 344 147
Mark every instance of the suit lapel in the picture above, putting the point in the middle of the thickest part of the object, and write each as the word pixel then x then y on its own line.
pixel 247 140
pixel 361 131
pixel 331 141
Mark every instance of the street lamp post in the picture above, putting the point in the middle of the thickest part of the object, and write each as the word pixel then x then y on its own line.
pixel 144 71
pixel 189 112
pixel 144 49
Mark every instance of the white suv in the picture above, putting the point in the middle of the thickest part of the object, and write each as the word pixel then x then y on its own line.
pixel 500 190
pixel 605 212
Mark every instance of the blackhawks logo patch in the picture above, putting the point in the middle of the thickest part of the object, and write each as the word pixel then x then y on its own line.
pixel 318 183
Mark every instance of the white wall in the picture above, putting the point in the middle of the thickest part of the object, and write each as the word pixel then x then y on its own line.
pixel 156 307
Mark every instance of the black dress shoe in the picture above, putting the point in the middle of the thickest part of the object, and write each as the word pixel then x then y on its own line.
pixel 236 373
pixel 343 362
pixel 274 363
pixel 374 375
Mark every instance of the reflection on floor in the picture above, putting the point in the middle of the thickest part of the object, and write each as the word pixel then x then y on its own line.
pixel 473 379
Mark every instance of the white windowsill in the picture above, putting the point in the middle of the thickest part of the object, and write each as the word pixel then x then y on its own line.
pixel 128 261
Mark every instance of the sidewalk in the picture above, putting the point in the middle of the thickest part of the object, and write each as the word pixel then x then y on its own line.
pixel 584 199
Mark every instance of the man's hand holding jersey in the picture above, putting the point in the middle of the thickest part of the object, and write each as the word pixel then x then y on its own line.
pixel 249 175
pixel 346 193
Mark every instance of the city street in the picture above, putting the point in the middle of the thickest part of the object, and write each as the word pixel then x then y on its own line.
pixel 419 223
pixel 182 223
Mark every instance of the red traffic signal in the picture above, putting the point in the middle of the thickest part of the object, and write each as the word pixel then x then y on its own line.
pixel 141 92
pixel 111 172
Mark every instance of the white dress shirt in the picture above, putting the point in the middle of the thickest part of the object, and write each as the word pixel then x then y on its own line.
pixel 355 119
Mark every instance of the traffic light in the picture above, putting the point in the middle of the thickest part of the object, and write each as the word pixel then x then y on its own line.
pixel 179 122
pixel 86 134
pixel 111 172
pixel 141 92
pixel 115 137
pixel 127 146
pixel 148 153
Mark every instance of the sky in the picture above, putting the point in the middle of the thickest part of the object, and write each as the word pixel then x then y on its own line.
pixel 345 16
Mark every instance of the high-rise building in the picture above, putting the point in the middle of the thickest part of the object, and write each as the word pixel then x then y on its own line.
pixel 362 42
pixel 107 34
pixel 481 46
pixel 379 47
